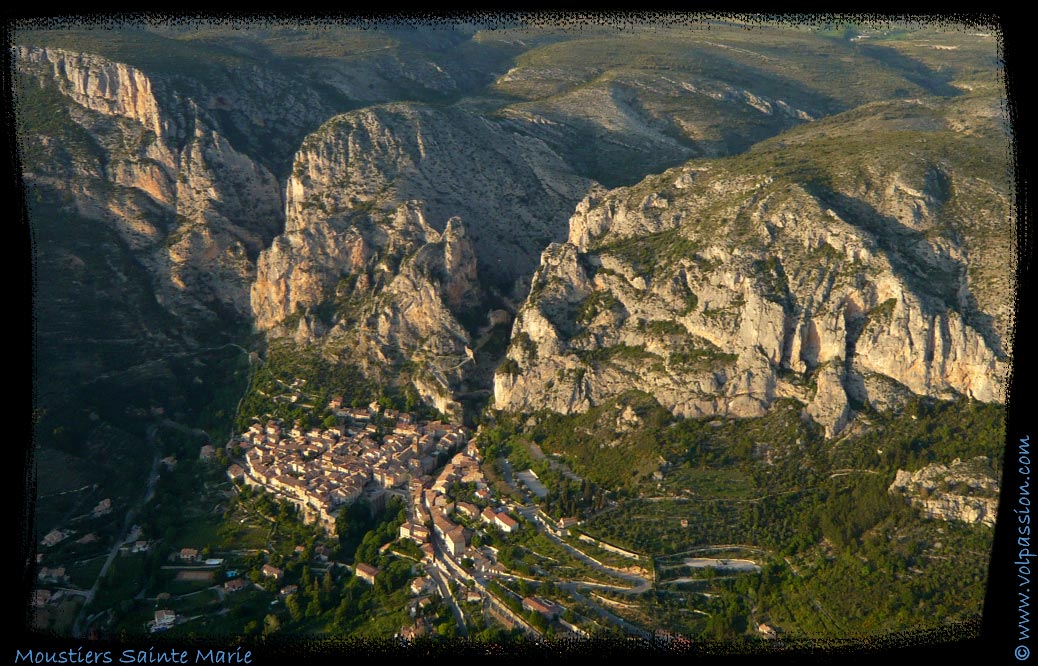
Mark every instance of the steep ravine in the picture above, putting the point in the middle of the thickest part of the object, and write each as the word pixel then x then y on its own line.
pixel 406 225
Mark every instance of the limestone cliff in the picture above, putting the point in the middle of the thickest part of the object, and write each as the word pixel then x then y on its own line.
pixel 719 287
pixel 965 490
pixel 110 88
pixel 154 166
pixel 829 264
pixel 399 219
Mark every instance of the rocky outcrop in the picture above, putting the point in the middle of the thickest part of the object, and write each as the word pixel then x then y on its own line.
pixel 401 217
pixel 965 491
pixel 195 210
pixel 388 293
pixel 460 286
pixel 719 291
pixel 718 287
pixel 98 84
pixel 418 322
pixel 513 193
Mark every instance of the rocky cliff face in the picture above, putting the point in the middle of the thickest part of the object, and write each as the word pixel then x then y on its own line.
pixel 965 491
pixel 154 167
pixel 512 192
pixel 110 88
pixel 403 217
pixel 824 265
pixel 720 287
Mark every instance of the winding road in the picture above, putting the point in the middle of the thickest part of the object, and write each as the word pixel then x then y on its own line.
pixel 153 477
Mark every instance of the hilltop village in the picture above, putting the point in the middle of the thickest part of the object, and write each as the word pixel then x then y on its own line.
pixel 457 532
pixel 382 452
pixel 323 470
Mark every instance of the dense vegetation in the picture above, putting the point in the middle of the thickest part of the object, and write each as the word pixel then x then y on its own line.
pixel 817 514
pixel 296 383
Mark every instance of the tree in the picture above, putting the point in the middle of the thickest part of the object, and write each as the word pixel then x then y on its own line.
pixel 286 511
pixel 271 624
pixel 351 525
pixel 411 398
pixel 294 606
pixel 344 614
pixel 538 621
pixel 327 591
pixel 270 584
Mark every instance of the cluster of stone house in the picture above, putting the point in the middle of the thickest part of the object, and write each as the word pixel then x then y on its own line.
pixel 322 470
pixel 430 504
